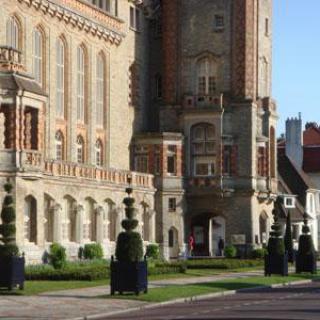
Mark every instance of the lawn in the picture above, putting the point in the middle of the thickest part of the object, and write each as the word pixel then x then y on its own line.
pixel 184 291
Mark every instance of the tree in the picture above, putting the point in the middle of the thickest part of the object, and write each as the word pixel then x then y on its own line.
pixel 288 242
pixel 8 227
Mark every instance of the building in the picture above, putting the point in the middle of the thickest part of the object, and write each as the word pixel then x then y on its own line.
pixel 97 93
pixel 299 172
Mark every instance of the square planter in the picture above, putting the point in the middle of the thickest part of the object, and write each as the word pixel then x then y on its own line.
pixel 306 263
pixel 12 272
pixel 129 277
pixel 276 264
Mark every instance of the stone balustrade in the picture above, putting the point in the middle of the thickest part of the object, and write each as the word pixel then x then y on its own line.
pixel 31 159
pixel 76 170
pixel 10 59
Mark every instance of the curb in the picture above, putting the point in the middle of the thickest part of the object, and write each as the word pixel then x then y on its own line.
pixel 190 299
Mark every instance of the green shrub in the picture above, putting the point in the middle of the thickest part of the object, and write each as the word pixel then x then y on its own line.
pixel 258 253
pixel 152 251
pixel 167 268
pixel 57 256
pixel 223 263
pixel 8 228
pixel 93 251
pixel 129 243
pixel 230 251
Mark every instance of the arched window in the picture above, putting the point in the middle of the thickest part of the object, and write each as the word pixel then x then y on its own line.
pixel 30 219
pixel 13 33
pixel 206 77
pixel 99 160
pixel 100 90
pixel 37 56
pixel 203 149
pixel 80 150
pixel 60 78
pixel 59 145
pixel 80 84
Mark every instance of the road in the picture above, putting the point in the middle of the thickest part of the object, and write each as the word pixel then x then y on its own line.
pixel 301 302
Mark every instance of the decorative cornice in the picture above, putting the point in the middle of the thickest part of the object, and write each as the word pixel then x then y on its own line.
pixel 81 15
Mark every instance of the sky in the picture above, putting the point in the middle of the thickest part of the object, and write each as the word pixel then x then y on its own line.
pixel 296 60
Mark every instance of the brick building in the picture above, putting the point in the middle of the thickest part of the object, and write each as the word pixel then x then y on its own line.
pixel 174 95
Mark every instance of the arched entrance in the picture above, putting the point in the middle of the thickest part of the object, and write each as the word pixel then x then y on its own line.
pixel 173 242
pixel 218 231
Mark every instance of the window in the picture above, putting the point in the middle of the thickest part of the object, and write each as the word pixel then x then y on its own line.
pixel 60 56
pixel 172 204
pixel 59 145
pixel 100 90
pixel 80 84
pixel 98 147
pixel 134 84
pixel 80 150
pixel 37 56
pixel 157 163
pixel 261 161
pixel 203 149
pixel 206 77
pixel 135 19
pixel 158 87
pixel 12 33
pixel 171 160
pixel 266 27
pixel 171 238
pixel 289 202
pixel 141 163
pixel 227 151
pixel 219 22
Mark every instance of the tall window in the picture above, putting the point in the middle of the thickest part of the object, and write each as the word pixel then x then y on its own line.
pixel 135 18
pixel 80 84
pixel 12 33
pixel 60 58
pixel 37 56
pixel 206 77
pixel 98 147
pixel 80 150
pixel 100 90
pixel 172 160
pixel 59 145
pixel 203 150
pixel 141 159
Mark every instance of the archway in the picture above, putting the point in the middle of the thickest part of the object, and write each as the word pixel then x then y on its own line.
pixel 217 228
pixel 30 219
pixel 173 242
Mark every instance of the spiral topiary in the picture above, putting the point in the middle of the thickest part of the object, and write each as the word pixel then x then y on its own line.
pixel 288 242
pixel 306 246
pixel 129 243
pixel 276 243
pixel 8 228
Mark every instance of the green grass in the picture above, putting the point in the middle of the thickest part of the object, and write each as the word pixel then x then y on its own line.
pixel 184 291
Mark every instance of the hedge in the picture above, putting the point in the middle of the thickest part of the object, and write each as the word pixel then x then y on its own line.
pixel 223 263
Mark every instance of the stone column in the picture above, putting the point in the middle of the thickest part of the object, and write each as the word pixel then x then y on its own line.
pixel 56 210
pixel 152 225
pixel 79 223
pixel 100 224
pixel 210 237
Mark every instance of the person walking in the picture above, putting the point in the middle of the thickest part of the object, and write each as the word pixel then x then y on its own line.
pixel 221 247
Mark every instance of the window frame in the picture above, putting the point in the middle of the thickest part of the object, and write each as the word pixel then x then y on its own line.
pixel 60 78
pixel 38 56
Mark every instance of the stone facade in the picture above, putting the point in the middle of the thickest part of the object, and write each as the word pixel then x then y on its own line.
pixel 175 90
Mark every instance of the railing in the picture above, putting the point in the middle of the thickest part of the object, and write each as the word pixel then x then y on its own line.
pixel 10 59
pixel 31 158
pixel 70 169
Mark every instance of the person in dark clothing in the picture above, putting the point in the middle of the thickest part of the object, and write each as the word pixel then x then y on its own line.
pixel 221 247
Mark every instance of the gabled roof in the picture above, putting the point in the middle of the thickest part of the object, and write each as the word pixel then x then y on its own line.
pixel 311 136
pixel 294 178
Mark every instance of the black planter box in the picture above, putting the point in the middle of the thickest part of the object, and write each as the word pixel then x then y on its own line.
pixel 276 264
pixel 129 277
pixel 306 263
pixel 12 272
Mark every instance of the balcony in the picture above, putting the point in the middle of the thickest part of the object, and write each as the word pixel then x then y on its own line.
pixel 76 170
pixel 203 101
pixel 10 59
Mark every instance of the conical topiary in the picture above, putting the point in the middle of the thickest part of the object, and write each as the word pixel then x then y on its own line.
pixel 276 243
pixel 129 243
pixel 306 246
pixel 288 242
pixel 8 247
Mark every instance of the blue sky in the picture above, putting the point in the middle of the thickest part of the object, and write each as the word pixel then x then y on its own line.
pixel 296 59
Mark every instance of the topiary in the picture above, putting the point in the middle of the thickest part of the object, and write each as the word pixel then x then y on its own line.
pixel 57 256
pixel 153 251
pixel 129 243
pixel 276 243
pixel 230 251
pixel 288 242
pixel 93 251
pixel 306 246
pixel 258 253
pixel 8 228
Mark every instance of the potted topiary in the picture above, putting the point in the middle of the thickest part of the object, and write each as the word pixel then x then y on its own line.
pixel 276 259
pixel 288 242
pixel 129 273
pixel 11 264
pixel 306 260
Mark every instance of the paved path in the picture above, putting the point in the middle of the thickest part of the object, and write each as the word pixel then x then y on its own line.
pixel 75 303
pixel 300 302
